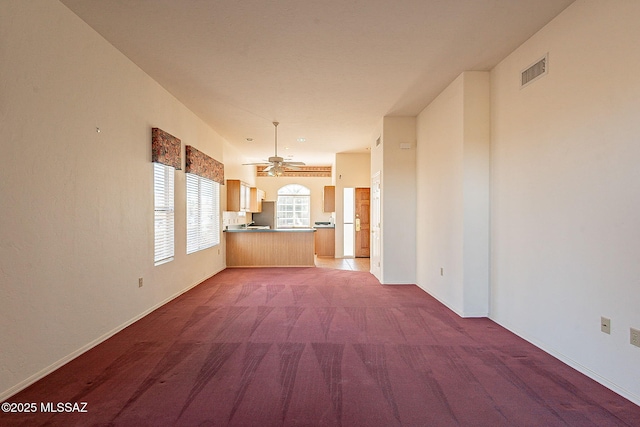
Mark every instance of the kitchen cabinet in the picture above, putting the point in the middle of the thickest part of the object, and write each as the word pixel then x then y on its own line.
pixel 325 241
pixel 238 196
pixel 256 197
pixel 329 199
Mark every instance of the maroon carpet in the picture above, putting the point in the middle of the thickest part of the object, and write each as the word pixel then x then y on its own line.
pixel 317 347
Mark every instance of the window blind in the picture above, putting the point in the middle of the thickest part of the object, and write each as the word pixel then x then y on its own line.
pixel 163 190
pixel 203 213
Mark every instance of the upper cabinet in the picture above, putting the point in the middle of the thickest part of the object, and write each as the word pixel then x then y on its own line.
pixel 329 199
pixel 242 198
pixel 238 196
pixel 256 196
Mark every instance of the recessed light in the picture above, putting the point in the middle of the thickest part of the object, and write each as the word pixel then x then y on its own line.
pixel 301 139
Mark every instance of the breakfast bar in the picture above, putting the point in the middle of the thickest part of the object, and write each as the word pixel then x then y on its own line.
pixel 270 248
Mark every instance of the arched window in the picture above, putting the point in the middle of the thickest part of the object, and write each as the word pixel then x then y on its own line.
pixel 294 201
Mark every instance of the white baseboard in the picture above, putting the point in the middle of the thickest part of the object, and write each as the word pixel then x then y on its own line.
pixel 49 369
pixel 577 366
pixel 442 301
pixel 558 355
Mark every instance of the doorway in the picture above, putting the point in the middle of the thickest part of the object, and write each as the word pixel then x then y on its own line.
pixel 356 219
pixel 363 219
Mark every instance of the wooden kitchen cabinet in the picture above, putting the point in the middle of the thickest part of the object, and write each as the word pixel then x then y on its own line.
pixel 238 196
pixel 256 197
pixel 329 199
pixel 325 241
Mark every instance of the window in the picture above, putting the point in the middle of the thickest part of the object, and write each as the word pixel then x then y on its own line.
pixel 203 213
pixel 163 179
pixel 293 206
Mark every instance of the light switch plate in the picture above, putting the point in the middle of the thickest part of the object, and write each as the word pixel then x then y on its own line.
pixel 605 325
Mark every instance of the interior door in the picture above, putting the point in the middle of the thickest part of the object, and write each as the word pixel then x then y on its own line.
pixel 376 224
pixel 362 223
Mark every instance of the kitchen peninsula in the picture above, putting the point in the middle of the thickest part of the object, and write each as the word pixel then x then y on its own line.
pixel 292 247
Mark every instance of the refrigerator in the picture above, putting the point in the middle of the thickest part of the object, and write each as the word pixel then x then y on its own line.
pixel 267 216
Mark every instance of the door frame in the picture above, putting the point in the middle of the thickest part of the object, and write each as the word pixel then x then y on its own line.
pixel 358 251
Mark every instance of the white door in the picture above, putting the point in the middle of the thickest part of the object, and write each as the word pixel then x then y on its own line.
pixel 376 227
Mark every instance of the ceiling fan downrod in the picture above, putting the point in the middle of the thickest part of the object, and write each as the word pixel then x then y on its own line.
pixel 276 138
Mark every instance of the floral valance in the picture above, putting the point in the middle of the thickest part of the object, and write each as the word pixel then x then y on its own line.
pixel 165 149
pixel 200 164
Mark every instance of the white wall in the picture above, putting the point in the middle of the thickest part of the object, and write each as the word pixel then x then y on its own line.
pixel 398 186
pixel 377 223
pixel 234 169
pixel 440 197
pixel 566 191
pixel 452 227
pixel 353 170
pixel 77 205
pixel 271 185
pixel 476 182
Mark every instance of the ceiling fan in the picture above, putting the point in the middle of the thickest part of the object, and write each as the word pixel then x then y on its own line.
pixel 276 165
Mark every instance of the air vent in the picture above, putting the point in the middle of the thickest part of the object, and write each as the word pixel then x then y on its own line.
pixel 535 71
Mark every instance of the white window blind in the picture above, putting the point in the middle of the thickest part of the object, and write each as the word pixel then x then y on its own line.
pixel 163 185
pixel 203 213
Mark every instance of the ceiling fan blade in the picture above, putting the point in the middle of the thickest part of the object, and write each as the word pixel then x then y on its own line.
pixel 295 163
pixel 291 167
pixel 265 163
pixel 268 168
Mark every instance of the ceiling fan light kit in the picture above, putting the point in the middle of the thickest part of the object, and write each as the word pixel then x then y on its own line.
pixel 276 165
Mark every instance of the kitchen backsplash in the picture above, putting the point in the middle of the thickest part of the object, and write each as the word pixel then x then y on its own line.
pixel 235 218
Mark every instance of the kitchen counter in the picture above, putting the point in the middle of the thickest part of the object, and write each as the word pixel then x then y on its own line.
pixel 285 247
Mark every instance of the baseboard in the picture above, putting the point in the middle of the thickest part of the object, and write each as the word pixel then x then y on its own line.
pixel 49 369
pixel 441 301
pixel 558 355
pixel 577 366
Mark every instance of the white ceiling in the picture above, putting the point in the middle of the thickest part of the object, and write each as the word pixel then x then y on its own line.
pixel 327 70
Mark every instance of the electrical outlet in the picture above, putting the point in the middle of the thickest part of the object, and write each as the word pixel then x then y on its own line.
pixel 635 337
pixel 605 325
pixel 140 282
pixel 442 271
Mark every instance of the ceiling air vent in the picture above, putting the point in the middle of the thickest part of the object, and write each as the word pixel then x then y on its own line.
pixel 535 71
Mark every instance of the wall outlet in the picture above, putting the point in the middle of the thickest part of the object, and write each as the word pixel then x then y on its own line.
pixel 442 271
pixel 635 337
pixel 140 282
pixel 605 325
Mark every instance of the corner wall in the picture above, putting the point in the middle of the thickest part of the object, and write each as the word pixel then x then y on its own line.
pixel 452 228
pixel 77 205
pixel 398 199
pixel 566 192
